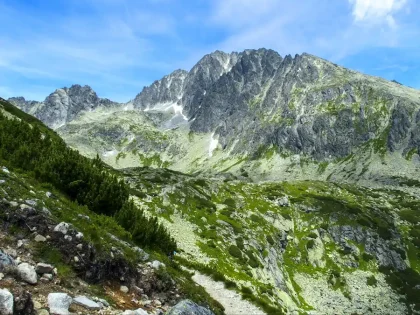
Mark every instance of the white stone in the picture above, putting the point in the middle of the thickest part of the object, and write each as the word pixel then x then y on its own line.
pixel 59 303
pixel 1 276
pixel 25 207
pixel 79 235
pixel 27 273
pixel 156 264
pixel 13 204
pixel 139 311
pixel 124 289
pixel 76 259
pixel 62 227
pixel 48 194
pixel 19 243
pixel 6 302
pixel 39 238
pixel 79 246
pixel 68 238
pixel 86 303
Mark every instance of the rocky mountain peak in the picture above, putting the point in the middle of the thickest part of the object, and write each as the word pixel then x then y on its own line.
pixel 63 105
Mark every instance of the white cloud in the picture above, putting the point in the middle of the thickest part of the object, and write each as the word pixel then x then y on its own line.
pixel 376 11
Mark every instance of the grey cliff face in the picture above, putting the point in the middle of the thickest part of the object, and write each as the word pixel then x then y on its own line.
pixel 63 105
pixel 301 105
pixel 167 90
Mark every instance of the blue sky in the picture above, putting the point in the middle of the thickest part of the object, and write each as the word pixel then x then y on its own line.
pixel 119 46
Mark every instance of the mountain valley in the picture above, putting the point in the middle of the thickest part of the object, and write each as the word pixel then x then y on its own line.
pixel 291 182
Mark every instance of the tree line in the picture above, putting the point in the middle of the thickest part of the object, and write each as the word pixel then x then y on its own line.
pixel 40 152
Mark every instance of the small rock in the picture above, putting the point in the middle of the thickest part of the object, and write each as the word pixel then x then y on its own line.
pixel 124 289
pixel 79 246
pixel 76 259
pixel 84 217
pixel 157 303
pixel 19 243
pixel 14 204
pixel 40 239
pixel 26 207
pixel 37 305
pixel 42 268
pixel 48 194
pixel 6 302
pixel 156 264
pixel 47 276
pixel 86 303
pixel 68 238
pixel 55 271
pixel 59 303
pixel 62 227
pixel 1 276
pixel 27 273
pixel 79 235
pixel 31 202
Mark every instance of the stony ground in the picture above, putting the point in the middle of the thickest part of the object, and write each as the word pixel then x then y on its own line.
pixel 52 266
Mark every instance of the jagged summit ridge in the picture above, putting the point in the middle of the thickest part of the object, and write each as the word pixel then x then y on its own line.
pixel 249 109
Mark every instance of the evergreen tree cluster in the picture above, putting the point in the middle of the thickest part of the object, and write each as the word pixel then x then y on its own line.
pixel 40 152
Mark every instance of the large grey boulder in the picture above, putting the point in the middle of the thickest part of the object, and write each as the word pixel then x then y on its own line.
pixel 59 303
pixel 86 303
pixel 27 273
pixel 188 307
pixel 6 302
